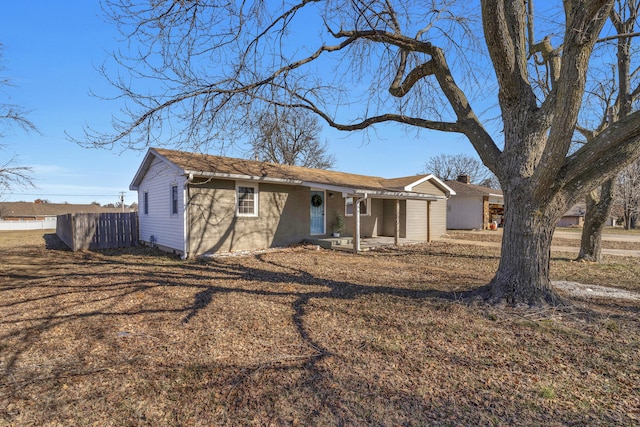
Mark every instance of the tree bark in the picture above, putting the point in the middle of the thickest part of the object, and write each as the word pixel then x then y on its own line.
pixel 598 210
pixel 523 273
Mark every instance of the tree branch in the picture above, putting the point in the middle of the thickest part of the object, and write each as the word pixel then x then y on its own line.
pixel 604 155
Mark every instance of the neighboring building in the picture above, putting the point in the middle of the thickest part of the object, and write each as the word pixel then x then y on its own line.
pixel 574 217
pixel 195 203
pixel 29 211
pixel 37 216
pixel 473 207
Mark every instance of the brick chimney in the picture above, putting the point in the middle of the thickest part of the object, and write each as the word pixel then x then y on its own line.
pixel 465 179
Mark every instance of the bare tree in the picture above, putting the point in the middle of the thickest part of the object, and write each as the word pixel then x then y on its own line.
pixel 615 95
pixel 360 63
pixel 290 137
pixel 12 176
pixel 11 115
pixel 628 194
pixel 451 166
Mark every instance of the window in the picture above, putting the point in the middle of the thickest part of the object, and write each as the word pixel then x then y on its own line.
pixel 364 207
pixel 174 200
pixel 247 198
pixel 146 202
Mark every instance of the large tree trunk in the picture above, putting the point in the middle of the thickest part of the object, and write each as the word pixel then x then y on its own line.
pixel 599 205
pixel 523 273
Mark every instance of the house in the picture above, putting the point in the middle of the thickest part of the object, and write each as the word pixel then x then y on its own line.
pixel 574 217
pixel 193 204
pixel 29 211
pixel 473 206
pixel 32 216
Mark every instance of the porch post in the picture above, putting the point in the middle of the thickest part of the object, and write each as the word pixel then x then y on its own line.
pixel 356 233
pixel 396 236
pixel 428 220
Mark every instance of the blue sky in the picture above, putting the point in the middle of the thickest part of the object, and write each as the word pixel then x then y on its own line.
pixel 51 51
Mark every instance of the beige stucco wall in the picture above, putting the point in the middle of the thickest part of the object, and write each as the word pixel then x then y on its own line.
pixel 370 225
pixel 283 217
pixel 389 228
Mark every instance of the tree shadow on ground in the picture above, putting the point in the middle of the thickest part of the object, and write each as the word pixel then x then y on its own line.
pixel 71 290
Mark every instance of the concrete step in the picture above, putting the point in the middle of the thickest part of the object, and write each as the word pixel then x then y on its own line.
pixel 331 242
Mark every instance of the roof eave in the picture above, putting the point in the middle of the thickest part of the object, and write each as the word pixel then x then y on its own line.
pixel 243 177
pixel 144 167
pixel 401 195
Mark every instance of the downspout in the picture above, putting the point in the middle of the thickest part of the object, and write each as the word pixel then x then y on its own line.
pixel 185 221
pixel 429 221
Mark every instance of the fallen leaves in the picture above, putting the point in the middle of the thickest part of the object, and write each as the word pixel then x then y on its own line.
pixel 135 337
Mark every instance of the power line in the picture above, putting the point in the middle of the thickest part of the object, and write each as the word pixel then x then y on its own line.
pixel 63 195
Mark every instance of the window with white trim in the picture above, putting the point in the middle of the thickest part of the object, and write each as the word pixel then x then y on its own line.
pixel 174 200
pixel 246 199
pixel 365 207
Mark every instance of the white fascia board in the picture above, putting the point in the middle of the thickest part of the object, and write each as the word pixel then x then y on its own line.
pixel 146 164
pixel 327 187
pixel 402 195
pixel 241 177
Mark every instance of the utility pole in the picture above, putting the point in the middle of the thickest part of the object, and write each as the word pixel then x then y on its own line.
pixel 122 200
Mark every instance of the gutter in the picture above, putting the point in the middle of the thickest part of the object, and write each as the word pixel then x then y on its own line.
pixel 242 177
pixel 185 220
pixel 403 195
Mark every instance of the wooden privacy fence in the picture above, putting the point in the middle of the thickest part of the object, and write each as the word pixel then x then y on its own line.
pixel 98 231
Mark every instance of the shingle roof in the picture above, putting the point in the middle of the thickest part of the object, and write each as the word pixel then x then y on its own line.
pixel 201 164
pixel 579 209
pixel 463 189
pixel 31 210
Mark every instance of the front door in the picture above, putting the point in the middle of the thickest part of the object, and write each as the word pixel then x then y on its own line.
pixel 317 212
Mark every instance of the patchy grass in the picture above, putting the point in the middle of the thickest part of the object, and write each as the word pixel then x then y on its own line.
pixel 607 230
pixel 611 239
pixel 304 337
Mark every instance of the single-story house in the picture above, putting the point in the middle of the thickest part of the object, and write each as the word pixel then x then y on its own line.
pixel 473 207
pixel 574 217
pixel 30 211
pixel 192 204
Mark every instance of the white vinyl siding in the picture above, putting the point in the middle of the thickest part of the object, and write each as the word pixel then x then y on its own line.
pixel 167 230
pixel 464 213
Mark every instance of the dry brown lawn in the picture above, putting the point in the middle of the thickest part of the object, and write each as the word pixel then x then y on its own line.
pixel 304 337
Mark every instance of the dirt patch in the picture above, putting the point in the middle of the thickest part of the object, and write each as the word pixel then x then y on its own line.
pixel 305 337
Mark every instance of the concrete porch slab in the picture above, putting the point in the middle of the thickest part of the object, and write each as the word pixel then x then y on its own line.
pixel 366 243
